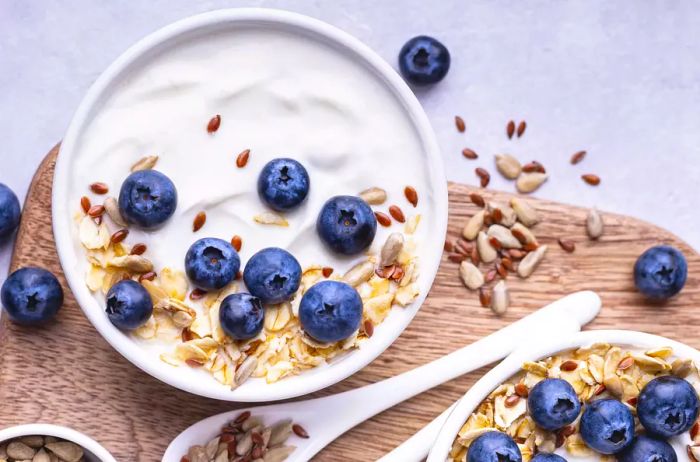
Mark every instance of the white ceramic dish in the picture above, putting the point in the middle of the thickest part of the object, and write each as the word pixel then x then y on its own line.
pixel 512 365
pixel 72 257
pixel 94 452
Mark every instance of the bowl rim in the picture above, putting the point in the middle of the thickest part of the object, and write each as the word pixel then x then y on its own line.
pixel 59 431
pixel 293 386
pixel 512 364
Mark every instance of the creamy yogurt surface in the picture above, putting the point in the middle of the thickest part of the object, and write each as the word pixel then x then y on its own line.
pixel 279 94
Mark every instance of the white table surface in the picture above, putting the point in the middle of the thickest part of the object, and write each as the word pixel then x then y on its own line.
pixel 618 79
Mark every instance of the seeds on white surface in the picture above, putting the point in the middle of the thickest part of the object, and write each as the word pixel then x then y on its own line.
pixel 524 211
pixel 146 163
pixel 391 249
pixel 529 182
pixel 471 276
pixel 508 166
pixel 529 263
pixel 594 224
pixel 525 232
pixel 500 298
pixel 270 218
pixel 359 273
pixel 473 226
pixel 486 252
pixel 112 209
pixel 373 196
pixel 504 236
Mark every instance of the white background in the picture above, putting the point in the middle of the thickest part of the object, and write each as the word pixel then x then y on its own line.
pixel 618 79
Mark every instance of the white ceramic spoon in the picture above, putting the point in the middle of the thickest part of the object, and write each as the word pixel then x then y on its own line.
pixel 325 419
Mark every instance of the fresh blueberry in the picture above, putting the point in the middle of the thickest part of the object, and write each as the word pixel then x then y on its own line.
pixel 129 305
pixel 147 199
pixel 346 224
pixel 647 449
pixel 553 404
pixel 9 212
pixel 31 296
pixel 330 311
pixel 547 457
pixel 273 275
pixel 494 447
pixel 667 406
pixel 283 184
pixel 607 426
pixel 211 263
pixel 423 60
pixel 241 316
pixel 660 272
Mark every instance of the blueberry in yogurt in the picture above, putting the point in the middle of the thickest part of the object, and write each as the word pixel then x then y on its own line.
pixel 547 457
pixel 553 404
pixel 648 449
pixel 607 426
pixel 283 184
pixel 660 272
pixel 147 199
pixel 330 311
pixel 9 212
pixel 31 296
pixel 667 406
pixel 211 263
pixel 129 305
pixel 494 447
pixel 241 316
pixel 346 225
pixel 273 275
pixel 424 60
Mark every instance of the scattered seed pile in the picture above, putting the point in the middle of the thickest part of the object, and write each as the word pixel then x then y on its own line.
pixel 246 439
pixel 37 448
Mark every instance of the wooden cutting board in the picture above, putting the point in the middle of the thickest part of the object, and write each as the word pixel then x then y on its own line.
pixel 67 374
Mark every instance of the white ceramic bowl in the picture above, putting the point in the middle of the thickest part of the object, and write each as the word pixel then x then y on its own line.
pixel 512 365
pixel 94 452
pixel 72 257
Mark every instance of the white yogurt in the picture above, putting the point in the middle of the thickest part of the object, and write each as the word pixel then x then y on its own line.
pixel 280 95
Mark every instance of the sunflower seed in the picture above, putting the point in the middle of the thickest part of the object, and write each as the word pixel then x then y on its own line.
pixel 280 432
pixel 507 215
pixel 486 252
pixel 525 232
pixel 471 276
pixel 473 226
pixel 594 224
pixel 524 211
pixel 508 166
pixel 112 209
pixel 500 298
pixel 529 263
pixel 147 163
pixel 391 249
pixel 528 182
pixel 373 196
pixel 271 218
pixel 359 273
pixel 245 370
pixel 504 236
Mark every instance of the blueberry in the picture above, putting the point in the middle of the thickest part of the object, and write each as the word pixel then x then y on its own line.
pixel 330 311
pixel 273 275
pixel 129 305
pixel 667 406
pixel 648 449
pixel 494 447
pixel 346 225
pixel 553 404
pixel 147 199
pixel 607 426
pixel 283 184
pixel 423 60
pixel 241 316
pixel 211 263
pixel 660 272
pixel 9 212
pixel 547 457
pixel 31 296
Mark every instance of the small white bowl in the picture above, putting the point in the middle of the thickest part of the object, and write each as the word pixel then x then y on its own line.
pixel 512 365
pixel 71 258
pixel 94 452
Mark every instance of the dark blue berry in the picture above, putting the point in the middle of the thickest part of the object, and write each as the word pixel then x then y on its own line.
pixel 273 275
pixel 648 449
pixel 129 305
pixel 660 272
pixel 31 296
pixel 607 426
pixel 346 225
pixel 283 184
pixel 547 457
pixel 241 316
pixel 494 447
pixel 330 311
pixel 147 199
pixel 211 263
pixel 9 212
pixel 553 404
pixel 667 406
pixel 423 60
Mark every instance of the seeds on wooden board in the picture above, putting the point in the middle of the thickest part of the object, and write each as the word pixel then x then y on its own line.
pixel 471 276
pixel 485 297
pixel 521 128
pixel 397 214
pixel 594 224
pixel 504 236
pixel 242 158
pixel 383 219
pixel 524 211
pixel 486 251
pixel 473 226
pixel 567 245
pixel 448 246
pixel 591 179
pixel 578 157
pixel 214 124
pixel 500 298
pixel 529 182
pixel 459 123
pixel 145 163
pixel 529 263
pixel 112 209
pixel 502 214
pixel 199 221
pixel 510 129
pixel 477 199
pixel 373 196
pixel 411 195
pixel 470 154
pixel 484 176
pixel 99 188
pixel 508 166
pixel 391 249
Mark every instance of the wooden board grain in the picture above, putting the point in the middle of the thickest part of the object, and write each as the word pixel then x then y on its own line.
pixel 66 373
